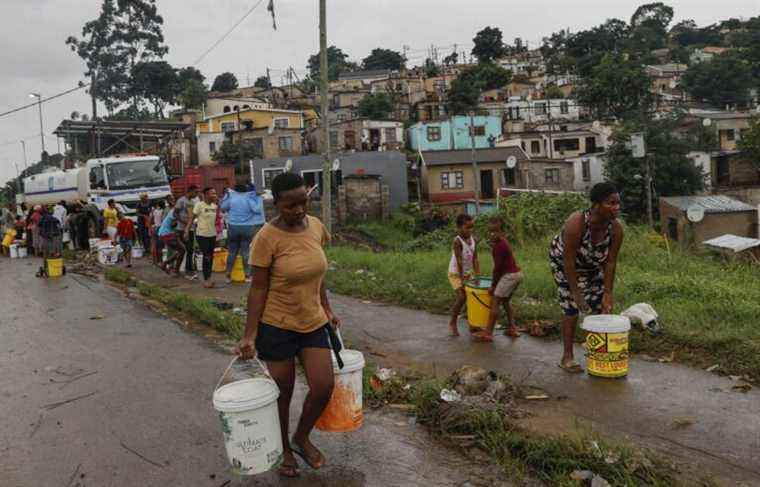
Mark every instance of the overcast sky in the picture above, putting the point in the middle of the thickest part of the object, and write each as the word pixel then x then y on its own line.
pixel 34 57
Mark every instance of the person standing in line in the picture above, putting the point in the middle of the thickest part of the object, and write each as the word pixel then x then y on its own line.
pixel 464 261
pixel 583 258
pixel 49 235
pixel 169 238
pixel 34 226
pixel 156 219
pixel 60 212
pixel 289 315
pixel 125 232
pixel 245 215
pixel 204 214
pixel 111 219
pixel 183 210
pixel 143 210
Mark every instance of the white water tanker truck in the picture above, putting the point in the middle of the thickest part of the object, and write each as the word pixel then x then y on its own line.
pixel 121 178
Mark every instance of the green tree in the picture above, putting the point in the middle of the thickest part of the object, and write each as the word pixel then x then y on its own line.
pixel 106 66
pixel 431 69
pixel 489 45
pixel 192 89
pixel 375 106
pixel 452 59
pixel 381 58
pixel 616 88
pixel 724 80
pixel 225 82
pixel 262 82
pixel 465 91
pixel 230 153
pixel 157 83
pixel 462 97
pixel 337 62
pixel 673 174
pixel 750 142
pixel 553 92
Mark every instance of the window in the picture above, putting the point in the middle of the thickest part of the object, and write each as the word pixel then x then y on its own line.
pixel 433 134
pixel 236 108
pixel 535 147
pixel 729 134
pixel 311 179
pixel 281 123
pixel 567 145
pixel 286 143
pixel 390 136
pixel 522 145
pixel 564 107
pixel 586 169
pixel 97 178
pixel 540 108
pixel 257 144
pixel 247 124
pixel 478 131
pixel 268 174
pixel 452 180
pixel 226 109
pixel 563 128
pixel 211 147
pixel 673 228
pixel 228 127
pixel 246 107
pixel 551 176
pixel 509 177
pixel 333 138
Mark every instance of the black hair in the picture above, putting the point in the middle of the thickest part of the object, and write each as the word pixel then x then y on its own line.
pixel 111 201
pixel 241 188
pixel 192 188
pixel 207 189
pixel 285 182
pixel 463 218
pixel 601 191
pixel 498 220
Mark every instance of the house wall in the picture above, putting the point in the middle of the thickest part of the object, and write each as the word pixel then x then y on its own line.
pixel 596 171
pixel 216 106
pixel 742 224
pixel 362 130
pixel 724 128
pixel 259 118
pixel 455 133
pixel 204 150
pixel 533 175
pixel 271 142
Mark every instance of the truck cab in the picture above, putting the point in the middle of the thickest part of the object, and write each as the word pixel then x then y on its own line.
pixel 124 179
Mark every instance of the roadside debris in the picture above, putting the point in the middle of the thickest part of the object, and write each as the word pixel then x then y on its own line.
pixel 97 317
pixel 712 368
pixel 644 314
pixel 667 358
pixel 741 384
pixel 683 422
pixel 447 395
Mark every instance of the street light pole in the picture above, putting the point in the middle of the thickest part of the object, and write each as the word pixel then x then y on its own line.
pixel 42 131
pixel 323 82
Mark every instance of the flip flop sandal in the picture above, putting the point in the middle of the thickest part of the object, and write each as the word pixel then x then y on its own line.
pixel 289 471
pixel 480 337
pixel 301 454
pixel 571 367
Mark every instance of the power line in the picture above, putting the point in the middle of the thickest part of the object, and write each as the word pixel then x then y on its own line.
pixel 44 100
pixel 213 46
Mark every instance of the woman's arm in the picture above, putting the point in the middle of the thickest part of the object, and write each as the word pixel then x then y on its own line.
pixel 571 237
pixel 611 266
pixel 257 298
pixel 331 318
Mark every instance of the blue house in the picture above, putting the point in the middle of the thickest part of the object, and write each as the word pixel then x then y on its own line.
pixel 454 133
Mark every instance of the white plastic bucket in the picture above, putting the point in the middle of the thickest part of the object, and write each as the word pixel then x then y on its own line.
pixel 22 252
pixel 137 252
pixel 108 255
pixel 94 243
pixel 344 411
pixel 198 261
pixel 607 345
pixel 251 425
pixel 13 251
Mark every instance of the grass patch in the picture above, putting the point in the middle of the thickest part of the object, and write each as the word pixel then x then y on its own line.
pixel 708 307
pixel 200 309
pixel 520 452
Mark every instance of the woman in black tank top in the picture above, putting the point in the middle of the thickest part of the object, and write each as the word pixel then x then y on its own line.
pixel 583 258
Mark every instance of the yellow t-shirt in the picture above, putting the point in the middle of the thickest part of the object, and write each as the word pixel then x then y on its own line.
pixel 205 215
pixel 111 217
pixel 297 266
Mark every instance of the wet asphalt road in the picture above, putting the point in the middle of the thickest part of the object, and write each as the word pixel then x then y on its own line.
pixel 98 390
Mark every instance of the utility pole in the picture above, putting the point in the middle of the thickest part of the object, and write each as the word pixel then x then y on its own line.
pixel 326 166
pixel 23 147
pixel 18 180
pixel 648 178
pixel 475 174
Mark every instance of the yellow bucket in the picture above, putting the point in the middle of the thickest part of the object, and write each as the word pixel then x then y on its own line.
pixel 478 302
pixel 607 345
pixel 55 267
pixel 10 235
pixel 238 272
pixel 220 260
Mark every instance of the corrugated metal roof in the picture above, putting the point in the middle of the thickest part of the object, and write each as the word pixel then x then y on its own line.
pixel 711 204
pixel 733 242
pixel 498 154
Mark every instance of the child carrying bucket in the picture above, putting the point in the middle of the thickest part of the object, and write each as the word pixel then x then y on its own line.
pixel 464 260
pixel 507 277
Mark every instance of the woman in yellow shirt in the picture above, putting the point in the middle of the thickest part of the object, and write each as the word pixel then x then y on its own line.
pixel 289 314
pixel 111 219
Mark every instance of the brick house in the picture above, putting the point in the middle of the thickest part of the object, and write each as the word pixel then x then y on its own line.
pixel 722 215
pixel 268 143
pixel 360 134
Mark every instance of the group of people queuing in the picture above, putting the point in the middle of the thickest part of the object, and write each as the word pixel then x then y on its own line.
pixel 582 259
pixel 40 228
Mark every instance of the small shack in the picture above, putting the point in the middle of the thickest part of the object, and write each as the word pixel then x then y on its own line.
pixel 695 219
pixel 733 246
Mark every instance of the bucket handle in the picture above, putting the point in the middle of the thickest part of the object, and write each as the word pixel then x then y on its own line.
pixel 487 306
pixel 232 362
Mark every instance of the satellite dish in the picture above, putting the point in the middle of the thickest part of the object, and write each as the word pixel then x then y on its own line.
pixel 289 165
pixel 695 214
pixel 511 162
pixel 706 122
pixel 336 164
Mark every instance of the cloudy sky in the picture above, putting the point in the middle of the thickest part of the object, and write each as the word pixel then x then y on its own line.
pixel 34 57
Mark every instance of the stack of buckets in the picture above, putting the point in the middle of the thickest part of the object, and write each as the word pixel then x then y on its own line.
pixel 251 422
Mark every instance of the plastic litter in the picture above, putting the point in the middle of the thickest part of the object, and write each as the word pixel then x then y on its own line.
pixel 645 315
pixel 447 395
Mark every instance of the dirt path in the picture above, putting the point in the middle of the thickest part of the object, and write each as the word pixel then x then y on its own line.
pixel 98 390
pixel 690 415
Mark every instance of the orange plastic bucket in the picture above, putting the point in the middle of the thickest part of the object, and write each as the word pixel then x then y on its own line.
pixel 344 411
